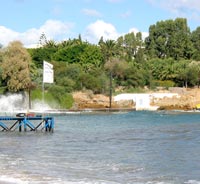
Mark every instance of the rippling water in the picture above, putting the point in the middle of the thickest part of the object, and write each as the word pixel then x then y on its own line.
pixel 130 148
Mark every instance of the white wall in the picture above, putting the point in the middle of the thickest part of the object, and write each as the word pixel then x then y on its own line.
pixel 142 100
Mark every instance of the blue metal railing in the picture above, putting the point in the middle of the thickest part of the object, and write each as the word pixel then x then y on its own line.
pixel 26 123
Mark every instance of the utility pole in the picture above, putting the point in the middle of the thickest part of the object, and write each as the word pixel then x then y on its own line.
pixel 110 96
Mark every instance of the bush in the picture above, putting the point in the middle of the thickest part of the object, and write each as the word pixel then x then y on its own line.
pixel 96 84
pixel 48 98
pixel 55 97
pixel 66 101
pixel 36 94
pixel 61 95
pixel 166 83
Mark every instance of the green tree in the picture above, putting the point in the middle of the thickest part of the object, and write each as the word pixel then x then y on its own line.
pixel 169 39
pixel 92 82
pixel 108 49
pixel 61 96
pixel 130 45
pixel 16 67
pixel 162 69
pixel 134 76
pixel 195 37
pixel 91 58
pixel 71 54
pixel 184 72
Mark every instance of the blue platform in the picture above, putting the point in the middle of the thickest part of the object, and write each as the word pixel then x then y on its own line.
pixel 27 123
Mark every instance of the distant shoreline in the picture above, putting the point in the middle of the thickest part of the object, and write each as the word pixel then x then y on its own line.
pixel 55 112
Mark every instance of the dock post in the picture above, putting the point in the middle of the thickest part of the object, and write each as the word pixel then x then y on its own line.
pixel 20 126
pixel 52 125
pixel 46 125
pixel 49 124
pixel 24 121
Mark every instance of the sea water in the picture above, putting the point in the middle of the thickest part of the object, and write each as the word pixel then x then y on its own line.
pixel 122 148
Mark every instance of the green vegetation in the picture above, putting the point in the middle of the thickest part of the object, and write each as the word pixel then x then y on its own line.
pixel 168 57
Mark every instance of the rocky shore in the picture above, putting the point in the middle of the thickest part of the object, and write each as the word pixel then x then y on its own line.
pixel 185 99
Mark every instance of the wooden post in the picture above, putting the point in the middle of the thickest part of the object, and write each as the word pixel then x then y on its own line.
pixel 110 96
pixel 20 126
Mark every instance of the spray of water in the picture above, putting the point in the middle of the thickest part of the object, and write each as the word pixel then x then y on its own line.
pixel 13 103
pixel 40 106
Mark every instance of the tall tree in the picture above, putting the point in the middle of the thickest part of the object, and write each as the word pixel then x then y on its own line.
pixel 130 45
pixel 169 39
pixel 195 37
pixel 108 49
pixel 16 67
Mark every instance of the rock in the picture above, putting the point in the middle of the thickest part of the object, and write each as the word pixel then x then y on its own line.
pixel 88 100
pixel 186 100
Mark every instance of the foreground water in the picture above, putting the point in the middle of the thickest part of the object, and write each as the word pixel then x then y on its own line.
pixel 130 148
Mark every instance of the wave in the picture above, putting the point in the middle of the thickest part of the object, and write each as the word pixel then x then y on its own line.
pixel 25 180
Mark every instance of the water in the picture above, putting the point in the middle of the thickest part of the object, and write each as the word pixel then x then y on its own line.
pixel 130 148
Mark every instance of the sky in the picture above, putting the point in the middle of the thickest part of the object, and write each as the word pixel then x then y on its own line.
pixel 59 20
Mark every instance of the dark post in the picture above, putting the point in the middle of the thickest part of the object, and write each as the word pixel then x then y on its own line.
pixel 29 99
pixel 20 126
pixel 110 99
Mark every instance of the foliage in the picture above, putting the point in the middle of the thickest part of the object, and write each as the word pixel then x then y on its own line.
pixel 166 83
pixel 88 81
pixel 36 94
pixel 135 90
pixel 66 101
pixel 62 97
pixel 169 39
pixel 108 49
pixel 16 67
pixel 162 69
pixel 195 38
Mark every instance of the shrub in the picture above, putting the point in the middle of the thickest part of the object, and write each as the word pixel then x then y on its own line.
pixel 61 95
pixel 166 83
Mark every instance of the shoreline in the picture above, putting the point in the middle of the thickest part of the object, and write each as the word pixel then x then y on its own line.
pixel 55 112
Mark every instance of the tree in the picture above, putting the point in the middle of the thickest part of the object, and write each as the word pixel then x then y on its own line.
pixel 70 54
pixel 195 37
pixel 91 58
pixel 108 49
pixel 130 45
pixel 187 73
pixel 169 39
pixel 16 67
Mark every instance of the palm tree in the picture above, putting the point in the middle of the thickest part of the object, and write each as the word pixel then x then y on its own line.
pixel 108 49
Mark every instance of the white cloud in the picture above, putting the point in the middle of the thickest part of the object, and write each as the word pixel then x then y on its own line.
pixel 183 8
pixel 59 31
pixel 98 29
pixel 53 29
pixel 7 35
pixel 91 12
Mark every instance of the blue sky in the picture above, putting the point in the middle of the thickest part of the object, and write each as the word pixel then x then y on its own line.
pixel 26 20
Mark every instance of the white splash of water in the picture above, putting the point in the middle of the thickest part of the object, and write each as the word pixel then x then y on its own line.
pixel 8 179
pixel 12 102
pixel 40 106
